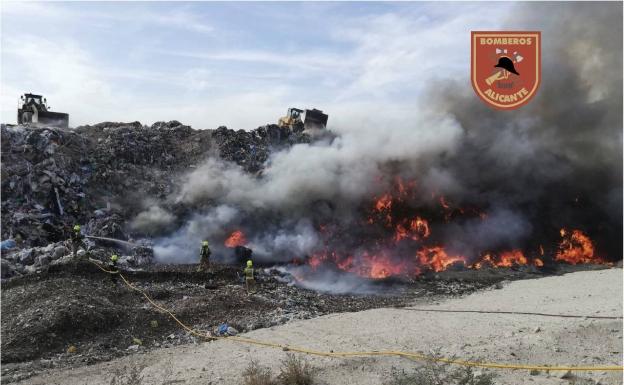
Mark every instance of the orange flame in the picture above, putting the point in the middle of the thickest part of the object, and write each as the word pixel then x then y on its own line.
pixel 437 259
pixel 484 260
pixel 237 238
pixel 420 226
pixel 575 248
pixel 510 258
pixel 418 229
pixel 379 267
pixel 384 203
pixel 394 217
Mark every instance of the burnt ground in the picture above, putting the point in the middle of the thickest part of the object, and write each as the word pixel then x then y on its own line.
pixel 76 304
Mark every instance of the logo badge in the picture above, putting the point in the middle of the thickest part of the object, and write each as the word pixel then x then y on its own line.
pixel 505 67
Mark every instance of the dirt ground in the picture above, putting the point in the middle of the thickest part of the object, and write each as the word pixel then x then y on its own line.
pixel 75 304
pixel 506 338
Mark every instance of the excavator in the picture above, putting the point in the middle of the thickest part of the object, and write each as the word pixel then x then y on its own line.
pixel 299 120
pixel 34 109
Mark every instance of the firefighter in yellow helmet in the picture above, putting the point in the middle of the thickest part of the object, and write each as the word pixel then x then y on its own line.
pixel 77 239
pixel 113 267
pixel 250 279
pixel 204 257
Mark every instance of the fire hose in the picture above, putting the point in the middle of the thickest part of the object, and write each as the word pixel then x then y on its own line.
pixel 395 353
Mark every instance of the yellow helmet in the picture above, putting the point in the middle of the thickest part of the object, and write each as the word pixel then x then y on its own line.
pixel 249 263
pixel 205 243
pixel 76 227
pixel 114 257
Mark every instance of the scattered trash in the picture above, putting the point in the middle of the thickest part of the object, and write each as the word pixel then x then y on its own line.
pixel 222 329
pixel 7 244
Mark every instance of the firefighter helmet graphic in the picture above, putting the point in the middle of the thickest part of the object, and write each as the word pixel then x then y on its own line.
pixel 506 64
pixel 505 67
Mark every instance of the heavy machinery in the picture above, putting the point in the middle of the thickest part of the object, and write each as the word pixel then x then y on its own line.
pixel 299 120
pixel 34 109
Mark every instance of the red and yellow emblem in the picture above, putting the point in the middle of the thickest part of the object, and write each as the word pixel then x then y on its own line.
pixel 505 67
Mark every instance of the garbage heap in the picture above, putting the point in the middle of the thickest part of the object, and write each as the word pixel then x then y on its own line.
pixel 99 176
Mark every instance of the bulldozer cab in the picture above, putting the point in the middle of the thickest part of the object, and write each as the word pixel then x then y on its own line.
pixel 37 101
pixel 292 119
pixel 294 113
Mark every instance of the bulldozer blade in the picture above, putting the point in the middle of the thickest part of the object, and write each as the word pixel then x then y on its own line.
pixel 315 119
pixel 56 119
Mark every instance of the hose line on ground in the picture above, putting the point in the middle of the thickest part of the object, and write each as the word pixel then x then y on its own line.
pixel 410 355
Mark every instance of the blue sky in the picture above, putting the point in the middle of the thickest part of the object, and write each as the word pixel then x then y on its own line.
pixel 234 64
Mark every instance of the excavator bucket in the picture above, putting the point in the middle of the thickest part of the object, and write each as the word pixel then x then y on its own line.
pixel 34 109
pixel 314 119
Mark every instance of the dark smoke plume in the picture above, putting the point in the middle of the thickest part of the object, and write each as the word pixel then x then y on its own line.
pixel 554 163
pixel 558 161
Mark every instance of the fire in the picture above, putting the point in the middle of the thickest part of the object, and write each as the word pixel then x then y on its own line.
pixel 375 266
pixel 437 259
pixel 510 258
pixel 345 263
pixel 315 261
pixel 384 203
pixel 420 226
pixel 237 238
pixel 504 259
pixel 575 248
pixel 379 266
pixel 484 260
pixel 417 229
pixel 397 237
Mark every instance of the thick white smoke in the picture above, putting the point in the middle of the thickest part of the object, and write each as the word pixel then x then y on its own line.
pixel 342 171
pixel 338 171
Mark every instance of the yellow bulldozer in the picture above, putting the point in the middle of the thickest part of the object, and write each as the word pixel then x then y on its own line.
pixel 299 120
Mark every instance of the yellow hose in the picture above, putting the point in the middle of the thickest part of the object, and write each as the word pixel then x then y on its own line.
pixel 410 355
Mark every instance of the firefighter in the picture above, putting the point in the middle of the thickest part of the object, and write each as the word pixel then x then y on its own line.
pixel 113 267
pixel 250 280
pixel 204 257
pixel 77 240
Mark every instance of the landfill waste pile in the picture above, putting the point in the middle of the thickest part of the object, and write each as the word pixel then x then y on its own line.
pixel 250 149
pixel 94 175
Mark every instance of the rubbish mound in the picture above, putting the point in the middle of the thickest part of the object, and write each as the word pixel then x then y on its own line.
pixel 94 175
